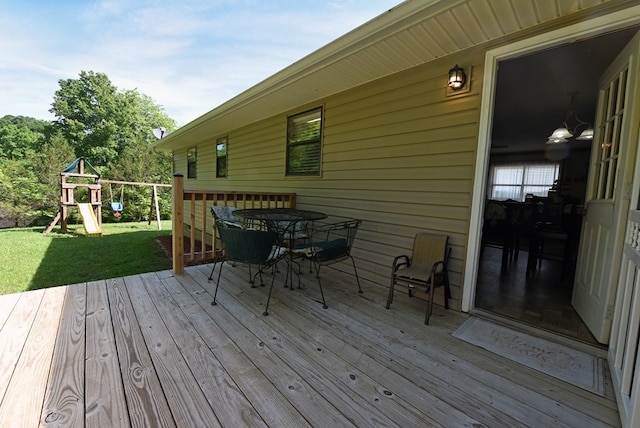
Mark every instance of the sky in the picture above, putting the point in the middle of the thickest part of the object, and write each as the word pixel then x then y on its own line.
pixel 189 56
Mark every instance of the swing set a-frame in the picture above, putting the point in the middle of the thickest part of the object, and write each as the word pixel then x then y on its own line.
pixel 91 212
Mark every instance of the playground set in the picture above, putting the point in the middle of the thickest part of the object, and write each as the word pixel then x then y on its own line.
pixel 91 211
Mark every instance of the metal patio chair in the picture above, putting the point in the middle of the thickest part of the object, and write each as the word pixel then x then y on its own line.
pixel 330 243
pixel 426 267
pixel 252 247
pixel 225 213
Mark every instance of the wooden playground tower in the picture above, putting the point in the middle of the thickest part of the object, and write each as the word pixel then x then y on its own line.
pixel 67 190
pixel 77 171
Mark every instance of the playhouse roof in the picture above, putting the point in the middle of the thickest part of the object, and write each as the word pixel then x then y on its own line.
pixel 76 163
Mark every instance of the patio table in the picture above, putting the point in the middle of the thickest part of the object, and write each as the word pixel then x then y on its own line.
pixel 285 221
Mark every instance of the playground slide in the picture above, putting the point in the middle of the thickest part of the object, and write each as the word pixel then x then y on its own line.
pixel 89 220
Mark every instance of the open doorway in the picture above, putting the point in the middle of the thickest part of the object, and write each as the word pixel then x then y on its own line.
pixel 536 188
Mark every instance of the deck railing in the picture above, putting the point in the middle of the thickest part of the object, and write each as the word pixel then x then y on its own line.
pixel 200 228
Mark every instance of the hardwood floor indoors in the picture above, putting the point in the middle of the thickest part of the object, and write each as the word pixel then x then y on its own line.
pixel 542 300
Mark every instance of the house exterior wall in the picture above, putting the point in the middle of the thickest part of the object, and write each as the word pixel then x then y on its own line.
pixel 397 153
pixel 401 156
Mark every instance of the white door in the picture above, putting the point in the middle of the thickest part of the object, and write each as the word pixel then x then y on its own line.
pixel 608 194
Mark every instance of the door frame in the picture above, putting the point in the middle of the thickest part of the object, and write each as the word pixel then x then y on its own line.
pixel 587 29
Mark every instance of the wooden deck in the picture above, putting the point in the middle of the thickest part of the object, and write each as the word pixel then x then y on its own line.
pixel 150 350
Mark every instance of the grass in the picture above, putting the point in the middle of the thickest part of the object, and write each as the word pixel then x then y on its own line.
pixel 32 260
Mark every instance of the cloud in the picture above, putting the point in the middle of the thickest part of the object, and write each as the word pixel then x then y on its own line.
pixel 188 56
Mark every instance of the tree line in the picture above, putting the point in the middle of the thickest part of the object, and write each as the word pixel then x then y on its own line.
pixel 111 128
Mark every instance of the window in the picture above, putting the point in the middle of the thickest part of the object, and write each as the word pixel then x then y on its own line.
pixel 515 181
pixel 192 163
pixel 221 157
pixel 304 137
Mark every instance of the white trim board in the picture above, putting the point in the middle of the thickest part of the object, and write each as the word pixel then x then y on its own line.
pixel 587 29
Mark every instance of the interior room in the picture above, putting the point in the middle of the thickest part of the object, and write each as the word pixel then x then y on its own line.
pixel 537 182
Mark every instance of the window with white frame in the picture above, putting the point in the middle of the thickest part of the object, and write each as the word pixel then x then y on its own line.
pixel 516 181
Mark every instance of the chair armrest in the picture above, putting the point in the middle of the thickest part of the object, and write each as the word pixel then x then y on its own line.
pixel 400 261
pixel 440 277
pixel 434 268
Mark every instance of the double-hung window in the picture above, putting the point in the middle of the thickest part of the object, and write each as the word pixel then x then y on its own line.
pixel 515 181
pixel 304 143
pixel 221 156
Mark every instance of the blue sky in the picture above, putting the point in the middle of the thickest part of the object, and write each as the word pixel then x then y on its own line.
pixel 188 55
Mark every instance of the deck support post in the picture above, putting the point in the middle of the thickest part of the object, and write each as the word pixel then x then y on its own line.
pixel 177 219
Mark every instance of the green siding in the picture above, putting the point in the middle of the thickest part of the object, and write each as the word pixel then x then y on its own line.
pixel 397 153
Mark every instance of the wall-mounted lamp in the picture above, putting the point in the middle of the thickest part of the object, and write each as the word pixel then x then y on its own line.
pixel 457 78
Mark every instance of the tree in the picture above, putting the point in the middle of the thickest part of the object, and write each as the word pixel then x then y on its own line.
pixel 54 155
pixel 20 137
pixel 84 110
pixel 113 130
pixel 99 121
pixel 21 194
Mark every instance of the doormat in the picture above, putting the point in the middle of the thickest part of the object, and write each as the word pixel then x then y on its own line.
pixel 562 362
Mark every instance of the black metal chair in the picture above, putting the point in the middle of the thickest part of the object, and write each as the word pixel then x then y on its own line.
pixel 225 213
pixel 330 243
pixel 426 267
pixel 252 247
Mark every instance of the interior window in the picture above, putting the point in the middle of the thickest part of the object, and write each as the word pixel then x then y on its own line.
pixel 221 156
pixel 192 163
pixel 304 139
pixel 516 181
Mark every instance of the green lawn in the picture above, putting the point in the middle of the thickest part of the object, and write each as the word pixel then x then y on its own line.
pixel 30 259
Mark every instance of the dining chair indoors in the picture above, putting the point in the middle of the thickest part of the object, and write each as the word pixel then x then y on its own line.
pixel 330 243
pixel 252 247
pixel 426 267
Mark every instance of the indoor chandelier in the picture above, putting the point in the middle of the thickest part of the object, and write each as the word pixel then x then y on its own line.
pixel 571 126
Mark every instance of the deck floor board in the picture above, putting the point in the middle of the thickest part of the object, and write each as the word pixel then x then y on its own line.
pixel 151 350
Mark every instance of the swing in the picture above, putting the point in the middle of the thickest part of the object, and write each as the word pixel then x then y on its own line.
pixel 116 206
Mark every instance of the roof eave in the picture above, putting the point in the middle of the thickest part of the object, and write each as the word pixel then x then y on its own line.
pixel 362 36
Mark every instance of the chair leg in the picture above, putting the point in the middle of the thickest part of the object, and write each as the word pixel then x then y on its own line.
pixel 289 276
pixel 430 305
pixel 266 308
pixel 215 293
pixel 299 274
pixel 252 278
pixel 447 290
pixel 259 273
pixel 356 272
pixel 212 269
pixel 324 303
pixel 391 286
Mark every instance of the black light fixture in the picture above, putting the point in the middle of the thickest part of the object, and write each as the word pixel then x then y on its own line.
pixel 457 78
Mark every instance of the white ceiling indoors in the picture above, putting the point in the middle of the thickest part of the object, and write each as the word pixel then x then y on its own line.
pixel 532 92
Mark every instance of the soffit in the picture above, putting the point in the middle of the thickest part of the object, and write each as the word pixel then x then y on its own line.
pixel 413 33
